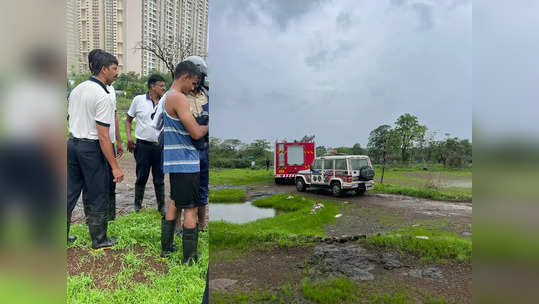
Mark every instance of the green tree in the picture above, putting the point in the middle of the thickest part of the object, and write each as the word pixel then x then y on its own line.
pixel 321 151
pixel 409 131
pixel 383 141
pixel 357 150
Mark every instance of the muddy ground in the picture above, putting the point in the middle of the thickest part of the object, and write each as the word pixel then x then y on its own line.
pixel 376 271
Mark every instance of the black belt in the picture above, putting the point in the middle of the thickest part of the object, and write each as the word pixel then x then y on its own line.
pixel 84 139
pixel 153 143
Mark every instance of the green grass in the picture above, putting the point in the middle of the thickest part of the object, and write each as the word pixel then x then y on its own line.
pixel 140 229
pixel 275 230
pixel 439 247
pixel 434 183
pixel 227 195
pixel 284 295
pixel 331 291
pixel 422 192
pixel 284 202
pixel 239 176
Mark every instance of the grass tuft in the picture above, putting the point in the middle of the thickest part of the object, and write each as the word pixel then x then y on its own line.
pixel 227 195
pixel 238 177
pixel 331 291
pixel 438 247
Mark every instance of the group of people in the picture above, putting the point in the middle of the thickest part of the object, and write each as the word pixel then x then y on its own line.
pixel 171 137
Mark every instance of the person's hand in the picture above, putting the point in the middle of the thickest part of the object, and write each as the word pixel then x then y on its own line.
pixel 119 150
pixel 130 145
pixel 118 175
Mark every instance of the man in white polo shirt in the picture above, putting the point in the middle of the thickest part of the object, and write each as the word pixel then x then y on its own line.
pixel 116 139
pixel 89 147
pixel 147 150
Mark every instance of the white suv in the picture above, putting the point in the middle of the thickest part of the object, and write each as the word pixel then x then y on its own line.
pixel 339 173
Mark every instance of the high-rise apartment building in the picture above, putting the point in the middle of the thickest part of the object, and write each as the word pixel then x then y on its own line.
pixel 122 26
pixel 94 24
pixel 178 23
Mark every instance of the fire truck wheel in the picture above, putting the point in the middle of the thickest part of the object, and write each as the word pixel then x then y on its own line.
pixel 336 189
pixel 278 181
pixel 300 185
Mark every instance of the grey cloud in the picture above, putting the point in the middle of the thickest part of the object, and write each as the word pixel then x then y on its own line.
pixel 398 2
pixel 424 12
pixel 344 21
pixel 282 11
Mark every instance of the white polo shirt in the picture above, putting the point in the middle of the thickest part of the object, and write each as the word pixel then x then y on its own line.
pixel 89 103
pixel 112 130
pixel 141 109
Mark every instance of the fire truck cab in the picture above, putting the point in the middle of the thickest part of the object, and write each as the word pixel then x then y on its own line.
pixel 290 158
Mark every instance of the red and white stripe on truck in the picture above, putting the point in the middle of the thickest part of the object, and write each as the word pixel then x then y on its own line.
pixel 292 157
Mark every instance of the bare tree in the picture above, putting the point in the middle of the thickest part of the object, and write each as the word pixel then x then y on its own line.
pixel 169 51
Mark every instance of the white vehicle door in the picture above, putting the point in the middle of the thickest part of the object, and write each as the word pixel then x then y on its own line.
pixel 327 171
pixel 316 172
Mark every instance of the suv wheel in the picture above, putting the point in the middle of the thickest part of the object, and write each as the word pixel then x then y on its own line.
pixel 360 191
pixel 336 189
pixel 300 184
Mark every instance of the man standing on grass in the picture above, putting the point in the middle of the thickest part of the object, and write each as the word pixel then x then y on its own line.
pixel 181 160
pixel 199 106
pixel 147 150
pixel 89 147
pixel 116 138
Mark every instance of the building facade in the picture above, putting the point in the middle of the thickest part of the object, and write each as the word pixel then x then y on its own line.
pixel 121 27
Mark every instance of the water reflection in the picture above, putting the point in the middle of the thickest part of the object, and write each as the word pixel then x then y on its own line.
pixel 239 213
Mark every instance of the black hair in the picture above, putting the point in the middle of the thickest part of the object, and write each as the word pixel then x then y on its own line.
pixel 97 59
pixel 186 68
pixel 153 79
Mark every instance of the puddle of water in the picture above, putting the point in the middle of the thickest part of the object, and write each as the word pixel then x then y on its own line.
pixel 239 213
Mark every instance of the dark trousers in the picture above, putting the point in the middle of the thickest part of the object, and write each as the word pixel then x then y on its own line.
pixel 86 167
pixel 148 156
pixel 111 210
pixel 204 175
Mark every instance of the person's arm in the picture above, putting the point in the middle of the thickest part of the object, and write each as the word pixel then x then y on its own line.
pixel 106 148
pixel 119 145
pixel 180 104
pixel 128 129
pixel 129 126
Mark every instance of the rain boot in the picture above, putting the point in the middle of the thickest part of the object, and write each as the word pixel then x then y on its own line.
pixel 71 238
pixel 167 237
pixel 98 231
pixel 160 198
pixel 111 216
pixel 190 245
pixel 139 196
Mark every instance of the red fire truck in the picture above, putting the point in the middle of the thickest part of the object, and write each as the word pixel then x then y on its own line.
pixel 291 157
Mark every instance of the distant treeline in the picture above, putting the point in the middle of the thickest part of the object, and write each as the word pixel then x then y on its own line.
pixel 407 142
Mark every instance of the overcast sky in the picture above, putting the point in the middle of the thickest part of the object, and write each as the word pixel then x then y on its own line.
pixel 338 69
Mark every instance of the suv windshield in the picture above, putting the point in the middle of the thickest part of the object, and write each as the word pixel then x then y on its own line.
pixel 358 163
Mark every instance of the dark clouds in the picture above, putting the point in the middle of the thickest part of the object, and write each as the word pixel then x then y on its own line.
pixel 338 69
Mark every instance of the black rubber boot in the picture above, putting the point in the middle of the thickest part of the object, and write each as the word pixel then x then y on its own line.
pixel 70 238
pixel 139 196
pixel 98 231
pixel 167 237
pixel 190 245
pixel 160 198
pixel 111 216
pixel 85 206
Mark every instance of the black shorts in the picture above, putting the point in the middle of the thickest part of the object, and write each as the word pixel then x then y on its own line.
pixel 185 189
